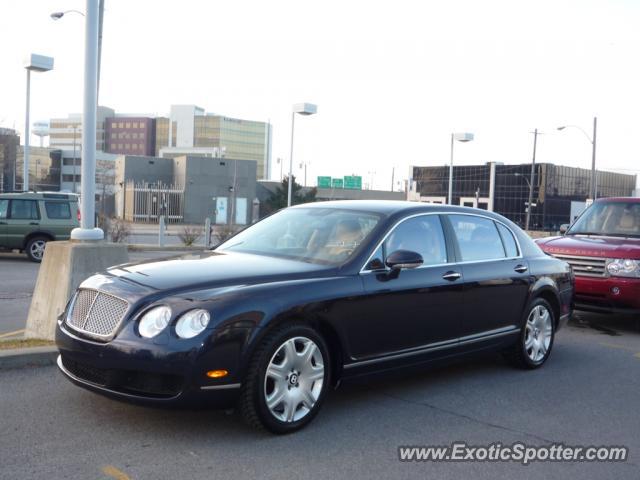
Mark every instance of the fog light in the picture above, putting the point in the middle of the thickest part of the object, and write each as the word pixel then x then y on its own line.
pixel 615 290
pixel 217 373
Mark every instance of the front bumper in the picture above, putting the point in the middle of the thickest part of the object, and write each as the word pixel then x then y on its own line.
pixel 608 295
pixel 159 373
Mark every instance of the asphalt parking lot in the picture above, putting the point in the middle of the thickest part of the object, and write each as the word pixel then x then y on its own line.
pixel 587 394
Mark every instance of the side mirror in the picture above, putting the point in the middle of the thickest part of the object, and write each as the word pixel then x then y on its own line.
pixel 401 259
pixel 563 228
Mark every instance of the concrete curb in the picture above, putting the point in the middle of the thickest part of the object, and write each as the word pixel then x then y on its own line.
pixel 27 357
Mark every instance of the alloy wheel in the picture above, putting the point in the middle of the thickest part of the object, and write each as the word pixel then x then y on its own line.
pixel 293 380
pixel 538 333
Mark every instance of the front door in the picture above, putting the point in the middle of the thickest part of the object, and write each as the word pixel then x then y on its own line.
pixel 419 308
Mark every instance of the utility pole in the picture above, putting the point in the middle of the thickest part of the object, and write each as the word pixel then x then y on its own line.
pixel 533 169
pixel 393 175
pixel 594 179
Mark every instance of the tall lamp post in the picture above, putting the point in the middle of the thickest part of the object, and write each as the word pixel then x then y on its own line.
pixel 87 230
pixel 460 137
pixel 33 63
pixel 530 185
pixel 301 109
pixel 592 141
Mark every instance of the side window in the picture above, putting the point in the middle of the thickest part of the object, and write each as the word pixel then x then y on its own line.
pixel 421 234
pixel 57 210
pixel 510 246
pixel 4 206
pixel 24 210
pixel 478 238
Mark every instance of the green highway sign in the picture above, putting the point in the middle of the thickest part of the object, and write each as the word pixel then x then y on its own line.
pixel 353 182
pixel 324 182
pixel 337 183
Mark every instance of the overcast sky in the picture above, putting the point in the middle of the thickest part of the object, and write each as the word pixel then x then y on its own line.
pixel 392 79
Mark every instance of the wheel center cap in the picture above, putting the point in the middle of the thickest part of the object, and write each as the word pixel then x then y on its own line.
pixel 536 332
pixel 293 379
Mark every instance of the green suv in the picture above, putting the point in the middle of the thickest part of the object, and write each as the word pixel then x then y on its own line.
pixel 29 220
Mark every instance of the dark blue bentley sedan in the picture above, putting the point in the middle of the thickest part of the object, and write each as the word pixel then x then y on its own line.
pixel 281 312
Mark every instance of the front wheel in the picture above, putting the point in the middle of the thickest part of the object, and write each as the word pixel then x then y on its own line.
pixel 35 248
pixel 287 380
pixel 536 337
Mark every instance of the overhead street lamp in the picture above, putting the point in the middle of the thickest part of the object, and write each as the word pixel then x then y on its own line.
pixel 592 141
pixel 35 63
pixel 460 137
pixel 301 109
pixel 59 15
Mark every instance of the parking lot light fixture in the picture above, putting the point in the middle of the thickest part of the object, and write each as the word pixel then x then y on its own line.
pixel 460 137
pixel 301 109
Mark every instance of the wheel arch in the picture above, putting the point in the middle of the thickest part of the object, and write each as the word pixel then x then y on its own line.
pixel 38 233
pixel 548 291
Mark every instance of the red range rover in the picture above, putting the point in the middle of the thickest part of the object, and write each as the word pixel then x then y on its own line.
pixel 603 247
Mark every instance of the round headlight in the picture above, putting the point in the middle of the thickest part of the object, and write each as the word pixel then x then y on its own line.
pixel 192 323
pixel 154 321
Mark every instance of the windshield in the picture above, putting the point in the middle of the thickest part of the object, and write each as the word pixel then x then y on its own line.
pixel 319 235
pixel 617 219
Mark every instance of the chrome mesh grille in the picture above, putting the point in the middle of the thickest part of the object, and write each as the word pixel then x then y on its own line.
pixel 585 266
pixel 96 313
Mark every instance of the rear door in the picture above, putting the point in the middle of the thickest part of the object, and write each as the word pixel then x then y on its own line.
pixel 496 277
pixel 24 218
pixel 59 218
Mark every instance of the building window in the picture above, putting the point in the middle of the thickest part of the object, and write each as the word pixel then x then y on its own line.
pixel 128 124
pixel 134 136
pixel 114 125
pixel 120 125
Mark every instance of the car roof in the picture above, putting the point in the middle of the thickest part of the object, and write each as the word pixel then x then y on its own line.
pixel 619 199
pixel 391 207
pixel 40 195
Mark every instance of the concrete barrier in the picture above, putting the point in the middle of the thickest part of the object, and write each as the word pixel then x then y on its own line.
pixel 64 266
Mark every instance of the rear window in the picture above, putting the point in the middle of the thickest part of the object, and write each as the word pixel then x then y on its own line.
pixel 58 210
pixel 478 238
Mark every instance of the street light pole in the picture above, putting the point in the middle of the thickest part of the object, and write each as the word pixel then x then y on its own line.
pixel 290 181
pixel 533 167
pixel 594 179
pixel 592 140
pixel 302 109
pixel 25 159
pixel 37 63
pixel 87 230
pixel 461 137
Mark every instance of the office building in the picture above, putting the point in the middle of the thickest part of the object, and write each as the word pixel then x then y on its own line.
pixel 130 135
pixel 196 133
pixel 64 133
pixel 9 144
pixel 559 192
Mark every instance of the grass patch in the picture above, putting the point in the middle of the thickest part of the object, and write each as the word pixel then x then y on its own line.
pixel 24 343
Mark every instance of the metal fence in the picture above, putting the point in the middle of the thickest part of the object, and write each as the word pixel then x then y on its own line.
pixel 145 203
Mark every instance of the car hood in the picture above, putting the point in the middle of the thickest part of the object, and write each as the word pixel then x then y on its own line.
pixel 591 246
pixel 211 269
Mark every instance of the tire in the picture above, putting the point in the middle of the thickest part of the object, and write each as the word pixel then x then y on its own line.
pixel 286 381
pixel 536 337
pixel 35 248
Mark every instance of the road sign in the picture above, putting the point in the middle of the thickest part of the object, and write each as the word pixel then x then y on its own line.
pixel 353 182
pixel 324 182
pixel 337 183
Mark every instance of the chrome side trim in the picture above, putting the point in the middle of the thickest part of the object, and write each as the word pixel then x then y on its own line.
pixel 221 387
pixel 434 347
pixel 390 231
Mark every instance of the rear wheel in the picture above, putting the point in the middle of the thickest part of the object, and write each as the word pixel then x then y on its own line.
pixel 287 380
pixel 536 337
pixel 35 248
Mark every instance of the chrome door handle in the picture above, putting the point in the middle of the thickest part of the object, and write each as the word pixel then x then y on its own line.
pixel 451 276
pixel 521 268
